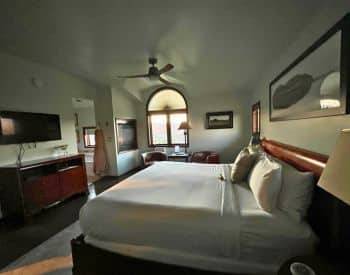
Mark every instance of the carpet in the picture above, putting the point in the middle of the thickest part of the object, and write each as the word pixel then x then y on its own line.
pixel 52 257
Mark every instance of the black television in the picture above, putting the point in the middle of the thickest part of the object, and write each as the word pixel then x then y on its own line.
pixel 126 134
pixel 21 127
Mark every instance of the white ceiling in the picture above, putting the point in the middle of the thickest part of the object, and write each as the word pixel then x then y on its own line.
pixel 82 103
pixel 216 46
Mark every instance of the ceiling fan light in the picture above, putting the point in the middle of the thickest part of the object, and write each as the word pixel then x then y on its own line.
pixel 153 77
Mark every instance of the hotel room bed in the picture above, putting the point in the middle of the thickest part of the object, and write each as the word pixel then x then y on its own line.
pixel 185 214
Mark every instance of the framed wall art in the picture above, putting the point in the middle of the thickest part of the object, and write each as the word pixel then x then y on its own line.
pixel 317 83
pixel 256 113
pixel 219 120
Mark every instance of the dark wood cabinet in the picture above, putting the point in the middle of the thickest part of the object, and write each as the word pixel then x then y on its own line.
pixel 51 189
pixel 73 181
pixel 27 189
pixel 32 195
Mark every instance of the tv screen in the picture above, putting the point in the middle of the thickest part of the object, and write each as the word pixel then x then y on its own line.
pixel 20 127
pixel 126 133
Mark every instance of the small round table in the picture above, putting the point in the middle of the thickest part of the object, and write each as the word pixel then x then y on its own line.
pixel 320 265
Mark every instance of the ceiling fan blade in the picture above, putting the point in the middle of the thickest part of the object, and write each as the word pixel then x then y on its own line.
pixel 133 76
pixel 164 81
pixel 166 68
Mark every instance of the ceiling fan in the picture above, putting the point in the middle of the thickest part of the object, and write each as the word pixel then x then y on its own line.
pixel 153 72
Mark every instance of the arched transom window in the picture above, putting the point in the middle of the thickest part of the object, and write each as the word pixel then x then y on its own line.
pixel 166 109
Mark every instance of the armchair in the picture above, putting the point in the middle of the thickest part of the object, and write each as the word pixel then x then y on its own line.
pixel 205 157
pixel 149 157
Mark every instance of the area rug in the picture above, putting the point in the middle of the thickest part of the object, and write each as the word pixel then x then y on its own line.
pixel 52 257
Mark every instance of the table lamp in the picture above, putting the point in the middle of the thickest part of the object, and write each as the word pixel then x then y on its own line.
pixel 185 125
pixel 335 178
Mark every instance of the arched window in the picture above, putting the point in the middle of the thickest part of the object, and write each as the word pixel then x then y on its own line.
pixel 166 109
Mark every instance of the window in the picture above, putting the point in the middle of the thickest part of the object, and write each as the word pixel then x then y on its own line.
pixel 158 124
pixel 177 136
pixel 166 109
pixel 89 137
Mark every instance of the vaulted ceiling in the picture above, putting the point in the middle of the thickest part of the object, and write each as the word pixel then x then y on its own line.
pixel 216 46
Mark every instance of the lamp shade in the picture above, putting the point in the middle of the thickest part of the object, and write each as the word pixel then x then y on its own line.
pixel 335 178
pixel 330 91
pixel 185 126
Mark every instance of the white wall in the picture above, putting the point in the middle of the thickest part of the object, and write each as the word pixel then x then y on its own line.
pixel 17 92
pixel 105 120
pixel 317 134
pixel 125 106
pixel 227 142
pixel 86 118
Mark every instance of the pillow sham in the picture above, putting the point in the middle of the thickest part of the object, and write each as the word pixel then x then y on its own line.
pixel 242 165
pixel 296 192
pixel 265 182
pixel 255 149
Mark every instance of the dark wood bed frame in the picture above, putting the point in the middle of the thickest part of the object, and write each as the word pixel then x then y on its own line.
pixel 327 216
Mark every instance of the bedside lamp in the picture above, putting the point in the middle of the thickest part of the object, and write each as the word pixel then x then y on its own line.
pixel 185 125
pixel 335 178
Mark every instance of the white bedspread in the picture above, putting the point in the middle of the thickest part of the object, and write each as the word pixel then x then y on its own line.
pixel 182 213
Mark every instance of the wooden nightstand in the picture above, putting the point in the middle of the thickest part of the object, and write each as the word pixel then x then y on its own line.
pixel 319 264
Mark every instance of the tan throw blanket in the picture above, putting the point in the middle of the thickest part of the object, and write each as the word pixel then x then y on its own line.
pixel 100 157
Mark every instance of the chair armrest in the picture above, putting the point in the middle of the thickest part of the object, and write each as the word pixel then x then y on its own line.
pixel 213 158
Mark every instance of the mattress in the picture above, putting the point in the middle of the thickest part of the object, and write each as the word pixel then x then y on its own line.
pixel 270 238
pixel 190 214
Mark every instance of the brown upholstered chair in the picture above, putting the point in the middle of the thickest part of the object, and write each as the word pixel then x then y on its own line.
pixel 205 157
pixel 150 157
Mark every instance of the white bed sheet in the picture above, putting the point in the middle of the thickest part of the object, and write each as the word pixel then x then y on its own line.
pixel 270 238
pixel 182 213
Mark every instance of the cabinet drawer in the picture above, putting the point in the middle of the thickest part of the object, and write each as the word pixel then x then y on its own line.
pixel 33 195
pixel 72 181
pixel 51 189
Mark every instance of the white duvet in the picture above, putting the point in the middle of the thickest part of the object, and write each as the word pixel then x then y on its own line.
pixel 184 214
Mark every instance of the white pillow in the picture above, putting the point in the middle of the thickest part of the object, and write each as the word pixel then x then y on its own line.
pixel 296 192
pixel 242 166
pixel 255 149
pixel 265 182
pixel 242 152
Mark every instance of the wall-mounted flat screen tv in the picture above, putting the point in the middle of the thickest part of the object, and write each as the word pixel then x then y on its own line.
pixel 126 134
pixel 21 127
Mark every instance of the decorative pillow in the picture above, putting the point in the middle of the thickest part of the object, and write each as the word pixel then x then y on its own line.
pixel 255 149
pixel 296 192
pixel 242 166
pixel 265 182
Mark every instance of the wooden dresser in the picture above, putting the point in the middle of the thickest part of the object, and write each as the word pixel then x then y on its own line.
pixel 27 189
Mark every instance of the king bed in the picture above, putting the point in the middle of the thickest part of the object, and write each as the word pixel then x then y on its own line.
pixel 189 218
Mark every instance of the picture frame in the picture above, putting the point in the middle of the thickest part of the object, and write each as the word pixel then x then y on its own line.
pixel 219 120
pixel 316 84
pixel 256 119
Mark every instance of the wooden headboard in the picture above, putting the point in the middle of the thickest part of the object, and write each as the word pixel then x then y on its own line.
pixel 328 216
pixel 303 160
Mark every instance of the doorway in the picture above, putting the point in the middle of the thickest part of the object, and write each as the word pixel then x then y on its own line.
pixel 85 126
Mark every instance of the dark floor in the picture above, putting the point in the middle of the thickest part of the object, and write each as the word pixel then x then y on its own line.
pixel 18 239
